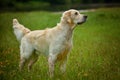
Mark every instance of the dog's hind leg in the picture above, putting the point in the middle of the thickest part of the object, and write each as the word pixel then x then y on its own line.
pixel 22 63
pixel 33 59
pixel 26 51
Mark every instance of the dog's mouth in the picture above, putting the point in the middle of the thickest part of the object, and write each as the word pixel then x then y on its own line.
pixel 81 22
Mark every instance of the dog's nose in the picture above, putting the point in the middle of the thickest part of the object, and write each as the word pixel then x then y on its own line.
pixel 85 16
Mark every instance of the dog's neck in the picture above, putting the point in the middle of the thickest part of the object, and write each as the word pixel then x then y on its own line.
pixel 66 29
pixel 68 25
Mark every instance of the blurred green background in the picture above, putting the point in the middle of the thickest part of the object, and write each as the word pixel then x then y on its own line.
pixel 54 5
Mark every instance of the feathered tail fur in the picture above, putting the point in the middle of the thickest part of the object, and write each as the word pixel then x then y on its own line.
pixel 19 30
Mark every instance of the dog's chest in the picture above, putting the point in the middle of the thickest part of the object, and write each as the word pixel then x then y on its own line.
pixel 63 54
pixel 65 43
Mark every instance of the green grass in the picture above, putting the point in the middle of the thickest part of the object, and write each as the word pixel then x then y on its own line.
pixel 95 54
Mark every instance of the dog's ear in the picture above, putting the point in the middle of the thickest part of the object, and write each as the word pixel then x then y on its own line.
pixel 67 17
pixel 69 21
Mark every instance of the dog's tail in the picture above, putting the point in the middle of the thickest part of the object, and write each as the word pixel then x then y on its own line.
pixel 19 30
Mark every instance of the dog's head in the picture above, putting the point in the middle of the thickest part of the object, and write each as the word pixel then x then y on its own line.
pixel 73 17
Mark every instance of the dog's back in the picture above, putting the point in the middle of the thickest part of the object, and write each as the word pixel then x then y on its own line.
pixel 19 30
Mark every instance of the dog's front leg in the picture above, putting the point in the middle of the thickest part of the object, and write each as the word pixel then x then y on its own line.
pixel 63 66
pixel 51 62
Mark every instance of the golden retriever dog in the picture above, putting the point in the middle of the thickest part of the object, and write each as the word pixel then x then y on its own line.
pixel 54 42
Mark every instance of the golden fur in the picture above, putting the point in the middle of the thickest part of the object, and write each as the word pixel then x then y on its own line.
pixel 54 42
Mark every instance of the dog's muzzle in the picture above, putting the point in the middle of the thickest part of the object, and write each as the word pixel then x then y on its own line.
pixel 84 20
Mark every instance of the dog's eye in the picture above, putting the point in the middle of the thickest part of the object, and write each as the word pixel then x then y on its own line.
pixel 76 13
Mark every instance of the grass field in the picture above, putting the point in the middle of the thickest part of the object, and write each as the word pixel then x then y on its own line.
pixel 95 55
